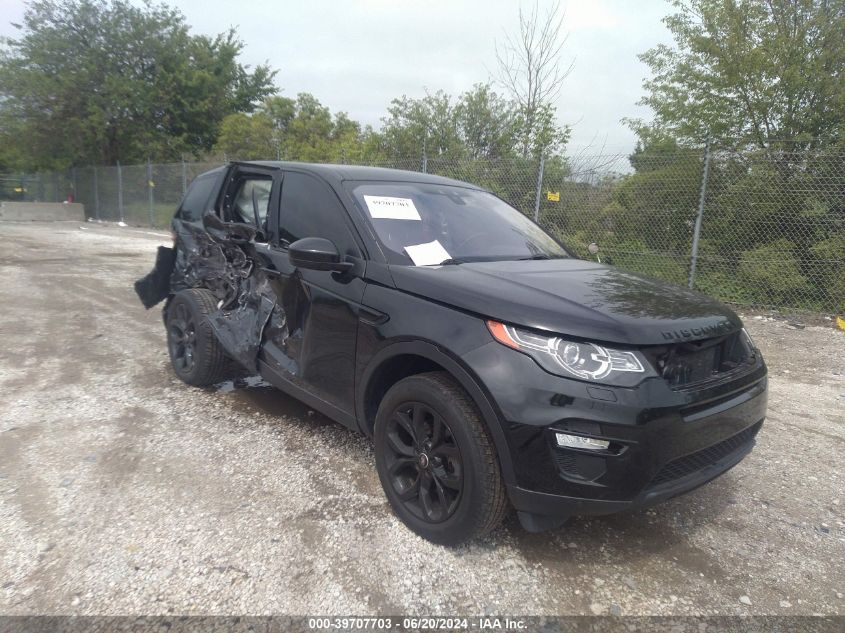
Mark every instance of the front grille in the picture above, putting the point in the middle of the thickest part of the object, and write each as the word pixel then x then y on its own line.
pixel 697 362
pixel 688 464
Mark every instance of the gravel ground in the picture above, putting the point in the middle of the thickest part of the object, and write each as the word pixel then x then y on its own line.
pixel 124 491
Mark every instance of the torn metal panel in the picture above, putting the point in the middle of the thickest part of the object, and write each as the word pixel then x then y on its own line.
pixel 240 328
pixel 221 258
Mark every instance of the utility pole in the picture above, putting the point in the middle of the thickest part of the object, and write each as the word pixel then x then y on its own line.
pixel 96 197
pixel 119 191
pixel 539 189
pixel 701 199
pixel 184 176
pixel 150 194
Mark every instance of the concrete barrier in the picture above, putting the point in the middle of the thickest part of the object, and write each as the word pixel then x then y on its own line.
pixel 41 211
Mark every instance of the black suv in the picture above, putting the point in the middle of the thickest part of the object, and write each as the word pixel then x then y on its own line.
pixel 491 367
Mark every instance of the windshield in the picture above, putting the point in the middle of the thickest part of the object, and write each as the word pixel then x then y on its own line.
pixel 424 225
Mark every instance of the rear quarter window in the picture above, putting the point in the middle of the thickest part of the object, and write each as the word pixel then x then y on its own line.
pixel 195 201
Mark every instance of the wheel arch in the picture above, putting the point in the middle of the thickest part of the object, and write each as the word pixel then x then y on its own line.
pixel 407 358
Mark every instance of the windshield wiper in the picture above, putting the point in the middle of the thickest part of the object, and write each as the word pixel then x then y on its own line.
pixel 454 261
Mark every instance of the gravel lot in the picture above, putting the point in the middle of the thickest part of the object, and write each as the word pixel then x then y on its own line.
pixel 124 491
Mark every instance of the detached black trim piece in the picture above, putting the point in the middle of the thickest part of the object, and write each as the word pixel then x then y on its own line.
pixel 155 287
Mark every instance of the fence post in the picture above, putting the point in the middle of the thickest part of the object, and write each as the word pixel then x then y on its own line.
pixel 701 198
pixel 150 187
pixel 119 191
pixel 96 197
pixel 184 177
pixel 539 189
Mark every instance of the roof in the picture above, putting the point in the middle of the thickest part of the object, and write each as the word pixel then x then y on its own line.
pixel 358 172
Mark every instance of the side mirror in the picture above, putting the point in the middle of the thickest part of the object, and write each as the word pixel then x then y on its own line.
pixel 317 253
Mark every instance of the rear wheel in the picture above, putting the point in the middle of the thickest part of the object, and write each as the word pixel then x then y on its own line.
pixel 195 353
pixel 436 461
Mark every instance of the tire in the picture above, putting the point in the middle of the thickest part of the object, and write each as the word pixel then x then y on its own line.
pixel 437 462
pixel 195 353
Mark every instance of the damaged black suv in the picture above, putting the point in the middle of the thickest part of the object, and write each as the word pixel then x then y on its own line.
pixel 491 367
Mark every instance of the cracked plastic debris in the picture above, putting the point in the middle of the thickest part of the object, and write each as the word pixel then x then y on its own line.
pixel 222 258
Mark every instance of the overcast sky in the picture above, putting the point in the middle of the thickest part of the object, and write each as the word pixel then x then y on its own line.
pixel 356 55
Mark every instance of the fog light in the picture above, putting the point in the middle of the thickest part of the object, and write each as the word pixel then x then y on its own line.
pixel 576 441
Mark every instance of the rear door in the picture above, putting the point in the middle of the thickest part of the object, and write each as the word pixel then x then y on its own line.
pixel 316 349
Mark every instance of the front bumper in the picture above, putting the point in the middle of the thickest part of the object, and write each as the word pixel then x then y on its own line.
pixel 663 442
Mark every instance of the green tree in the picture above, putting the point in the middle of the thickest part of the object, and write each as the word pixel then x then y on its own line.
pixel 291 129
pixel 487 123
pixel 756 70
pixel 347 139
pixel 101 81
pixel 478 124
pixel 245 137
pixel 280 111
pixel 308 136
pixel 416 124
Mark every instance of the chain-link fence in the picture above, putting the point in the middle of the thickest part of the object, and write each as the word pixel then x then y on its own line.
pixel 764 229
pixel 754 228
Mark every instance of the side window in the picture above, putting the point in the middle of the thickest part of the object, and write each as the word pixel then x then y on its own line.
pixel 246 188
pixel 311 209
pixel 196 198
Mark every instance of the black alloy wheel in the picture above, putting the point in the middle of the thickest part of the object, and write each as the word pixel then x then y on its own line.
pixel 436 460
pixel 423 462
pixel 182 338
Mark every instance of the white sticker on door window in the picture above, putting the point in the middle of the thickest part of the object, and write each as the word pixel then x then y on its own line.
pixel 429 254
pixel 388 208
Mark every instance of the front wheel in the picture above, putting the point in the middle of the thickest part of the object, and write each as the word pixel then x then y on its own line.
pixel 436 461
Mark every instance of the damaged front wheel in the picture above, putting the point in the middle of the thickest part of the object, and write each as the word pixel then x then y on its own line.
pixel 195 353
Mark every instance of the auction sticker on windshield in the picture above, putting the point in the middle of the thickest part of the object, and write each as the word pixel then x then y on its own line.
pixel 429 254
pixel 389 208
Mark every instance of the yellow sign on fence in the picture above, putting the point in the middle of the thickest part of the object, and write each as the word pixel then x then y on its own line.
pixel 553 196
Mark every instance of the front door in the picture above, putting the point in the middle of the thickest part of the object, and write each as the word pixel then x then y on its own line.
pixel 315 349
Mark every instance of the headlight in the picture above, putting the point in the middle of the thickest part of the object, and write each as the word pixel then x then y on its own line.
pixel 588 361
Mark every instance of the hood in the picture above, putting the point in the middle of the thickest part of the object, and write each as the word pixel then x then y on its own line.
pixel 573 297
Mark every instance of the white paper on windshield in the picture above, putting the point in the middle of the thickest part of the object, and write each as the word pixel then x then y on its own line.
pixel 429 254
pixel 389 208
